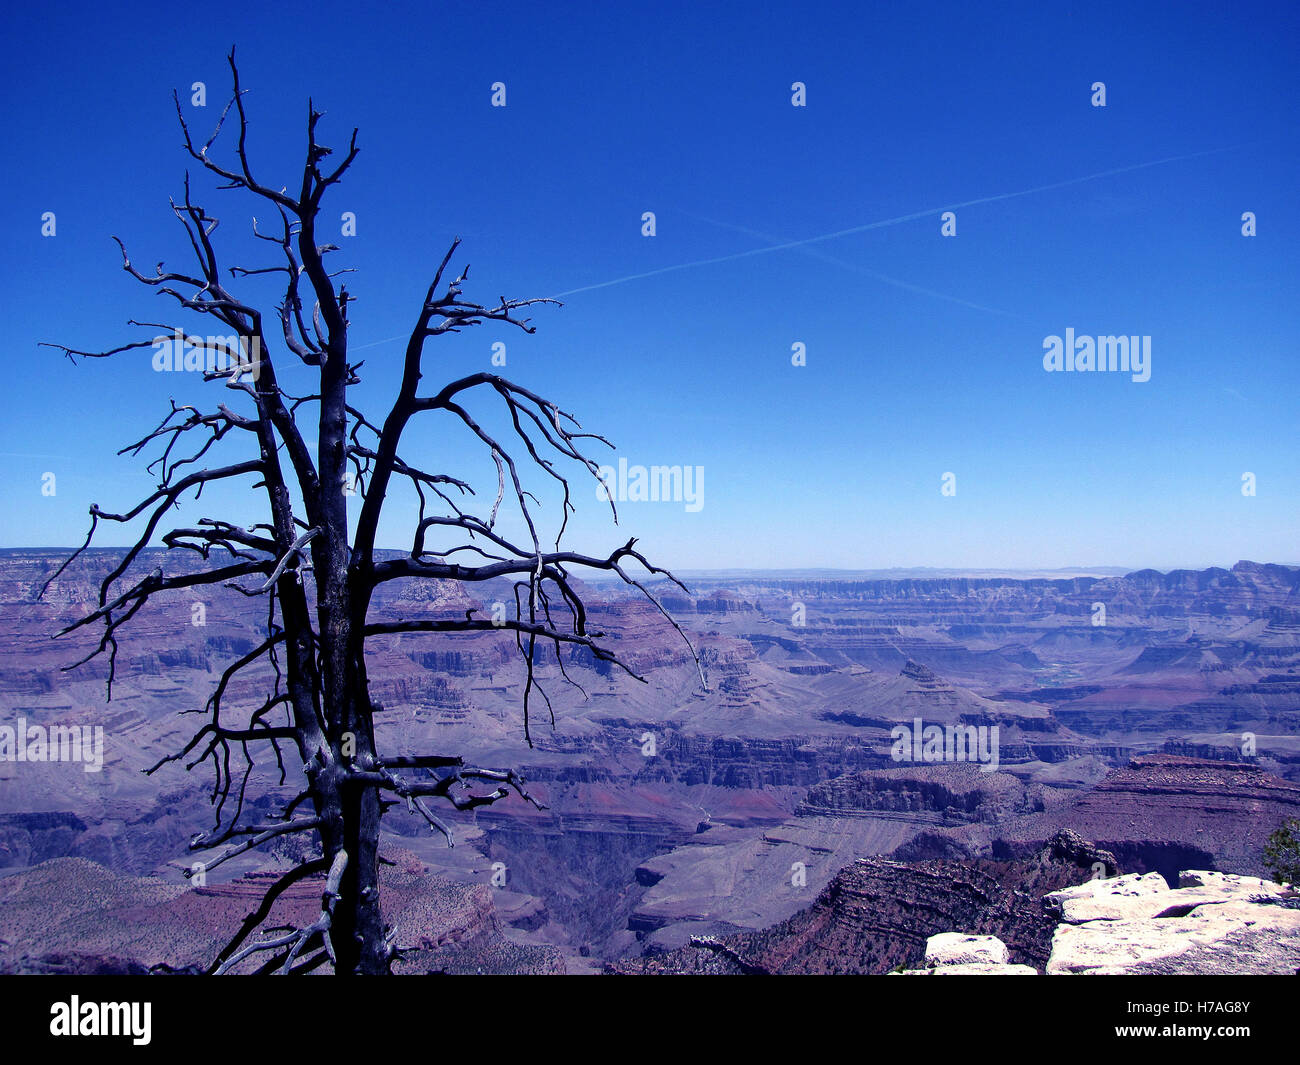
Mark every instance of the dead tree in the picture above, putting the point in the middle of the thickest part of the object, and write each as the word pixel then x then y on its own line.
pixel 319 581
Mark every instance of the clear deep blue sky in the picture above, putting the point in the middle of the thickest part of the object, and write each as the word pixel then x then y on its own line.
pixel 924 353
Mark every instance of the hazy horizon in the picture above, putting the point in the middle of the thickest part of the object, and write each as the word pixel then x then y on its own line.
pixel 860 572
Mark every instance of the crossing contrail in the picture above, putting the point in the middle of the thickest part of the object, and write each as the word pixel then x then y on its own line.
pixel 856 268
pixel 898 220
pixel 805 242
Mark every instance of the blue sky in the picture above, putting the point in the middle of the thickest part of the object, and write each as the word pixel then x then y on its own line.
pixel 924 353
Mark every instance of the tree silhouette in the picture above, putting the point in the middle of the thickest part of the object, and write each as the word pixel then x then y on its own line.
pixel 318 580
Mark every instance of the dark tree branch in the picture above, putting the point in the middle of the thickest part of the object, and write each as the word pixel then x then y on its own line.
pixel 318 578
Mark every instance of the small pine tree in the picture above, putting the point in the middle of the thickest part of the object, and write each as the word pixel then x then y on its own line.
pixel 1282 852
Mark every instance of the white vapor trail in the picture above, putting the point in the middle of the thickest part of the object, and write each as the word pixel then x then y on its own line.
pixel 899 220
pixel 785 245
pixel 856 268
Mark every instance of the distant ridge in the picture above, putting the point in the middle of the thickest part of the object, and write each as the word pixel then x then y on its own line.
pixel 809 573
pixel 906 573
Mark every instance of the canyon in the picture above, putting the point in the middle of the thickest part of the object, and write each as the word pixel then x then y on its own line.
pixel 764 815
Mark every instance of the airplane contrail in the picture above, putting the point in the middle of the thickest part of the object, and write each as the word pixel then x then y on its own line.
pixel 857 268
pixel 785 245
pixel 898 220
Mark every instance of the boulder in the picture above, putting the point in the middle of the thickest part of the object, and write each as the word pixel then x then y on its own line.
pixel 957 954
pixel 956 948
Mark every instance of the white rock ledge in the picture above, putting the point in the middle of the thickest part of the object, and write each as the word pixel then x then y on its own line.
pixel 1211 924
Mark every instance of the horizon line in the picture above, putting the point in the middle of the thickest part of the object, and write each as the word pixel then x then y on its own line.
pixel 705 571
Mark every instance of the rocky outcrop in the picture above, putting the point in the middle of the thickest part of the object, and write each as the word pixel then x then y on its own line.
pixel 923 675
pixel 877 915
pixel 950 793
pixel 957 954
pixel 1212 924
pixel 1163 813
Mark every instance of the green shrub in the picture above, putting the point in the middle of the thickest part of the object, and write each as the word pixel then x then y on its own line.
pixel 1282 852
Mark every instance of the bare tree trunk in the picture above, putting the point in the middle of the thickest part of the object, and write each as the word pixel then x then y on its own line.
pixel 321 688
